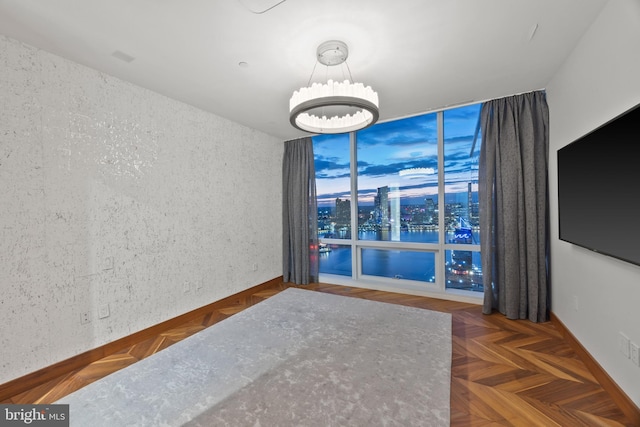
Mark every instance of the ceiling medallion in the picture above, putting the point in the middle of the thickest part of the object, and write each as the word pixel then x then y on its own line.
pixel 333 107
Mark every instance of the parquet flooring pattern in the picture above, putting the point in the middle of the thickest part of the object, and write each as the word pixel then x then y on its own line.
pixel 504 373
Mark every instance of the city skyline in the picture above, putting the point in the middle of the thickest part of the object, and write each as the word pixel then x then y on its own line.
pixel 386 150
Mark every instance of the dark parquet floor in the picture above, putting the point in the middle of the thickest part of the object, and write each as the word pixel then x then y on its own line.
pixel 504 373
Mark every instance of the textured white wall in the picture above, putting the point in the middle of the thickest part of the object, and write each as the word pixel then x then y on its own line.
pixel 112 194
pixel 599 80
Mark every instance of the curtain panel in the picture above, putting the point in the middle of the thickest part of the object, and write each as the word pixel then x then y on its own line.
pixel 513 199
pixel 299 213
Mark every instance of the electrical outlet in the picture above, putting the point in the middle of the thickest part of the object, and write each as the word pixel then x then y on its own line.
pixel 103 311
pixel 635 354
pixel 255 267
pixel 186 287
pixel 624 345
pixel 85 318
pixel 575 303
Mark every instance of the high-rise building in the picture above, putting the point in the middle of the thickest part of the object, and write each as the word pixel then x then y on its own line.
pixel 430 211
pixel 381 202
pixel 343 213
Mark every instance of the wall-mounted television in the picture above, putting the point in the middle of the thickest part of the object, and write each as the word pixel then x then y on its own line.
pixel 599 189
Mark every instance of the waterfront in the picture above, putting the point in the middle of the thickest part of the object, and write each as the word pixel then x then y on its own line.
pixel 463 268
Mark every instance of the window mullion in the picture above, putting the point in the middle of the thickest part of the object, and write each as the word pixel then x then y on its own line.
pixel 355 256
pixel 440 271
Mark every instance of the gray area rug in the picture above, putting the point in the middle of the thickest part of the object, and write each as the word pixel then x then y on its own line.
pixel 300 358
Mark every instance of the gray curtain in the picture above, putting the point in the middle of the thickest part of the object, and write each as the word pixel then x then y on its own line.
pixel 513 200
pixel 299 213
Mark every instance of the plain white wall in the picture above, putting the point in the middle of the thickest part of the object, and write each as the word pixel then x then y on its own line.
pixel 112 194
pixel 596 296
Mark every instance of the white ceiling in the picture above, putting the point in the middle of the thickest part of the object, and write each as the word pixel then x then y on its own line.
pixel 419 55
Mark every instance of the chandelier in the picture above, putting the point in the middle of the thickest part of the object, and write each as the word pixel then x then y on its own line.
pixel 333 107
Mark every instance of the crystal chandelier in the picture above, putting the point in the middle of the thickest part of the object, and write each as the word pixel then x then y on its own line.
pixel 333 107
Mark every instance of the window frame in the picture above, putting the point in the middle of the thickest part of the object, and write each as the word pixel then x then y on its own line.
pixel 358 279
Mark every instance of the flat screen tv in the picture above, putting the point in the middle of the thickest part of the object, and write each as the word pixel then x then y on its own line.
pixel 599 189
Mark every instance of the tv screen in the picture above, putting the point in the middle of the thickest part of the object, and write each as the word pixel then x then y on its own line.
pixel 599 189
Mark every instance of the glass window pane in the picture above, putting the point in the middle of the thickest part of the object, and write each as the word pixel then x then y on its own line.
pixel 398 180
pixel 396 199
pixel 461 153
pixel 463 270
pixel 333 185
pixel 399 264
pixel 335 259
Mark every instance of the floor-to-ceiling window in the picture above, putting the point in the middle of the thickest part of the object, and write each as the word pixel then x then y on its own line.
pixel 397 202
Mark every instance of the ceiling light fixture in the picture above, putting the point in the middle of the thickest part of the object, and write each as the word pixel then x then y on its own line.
pixel 333 107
